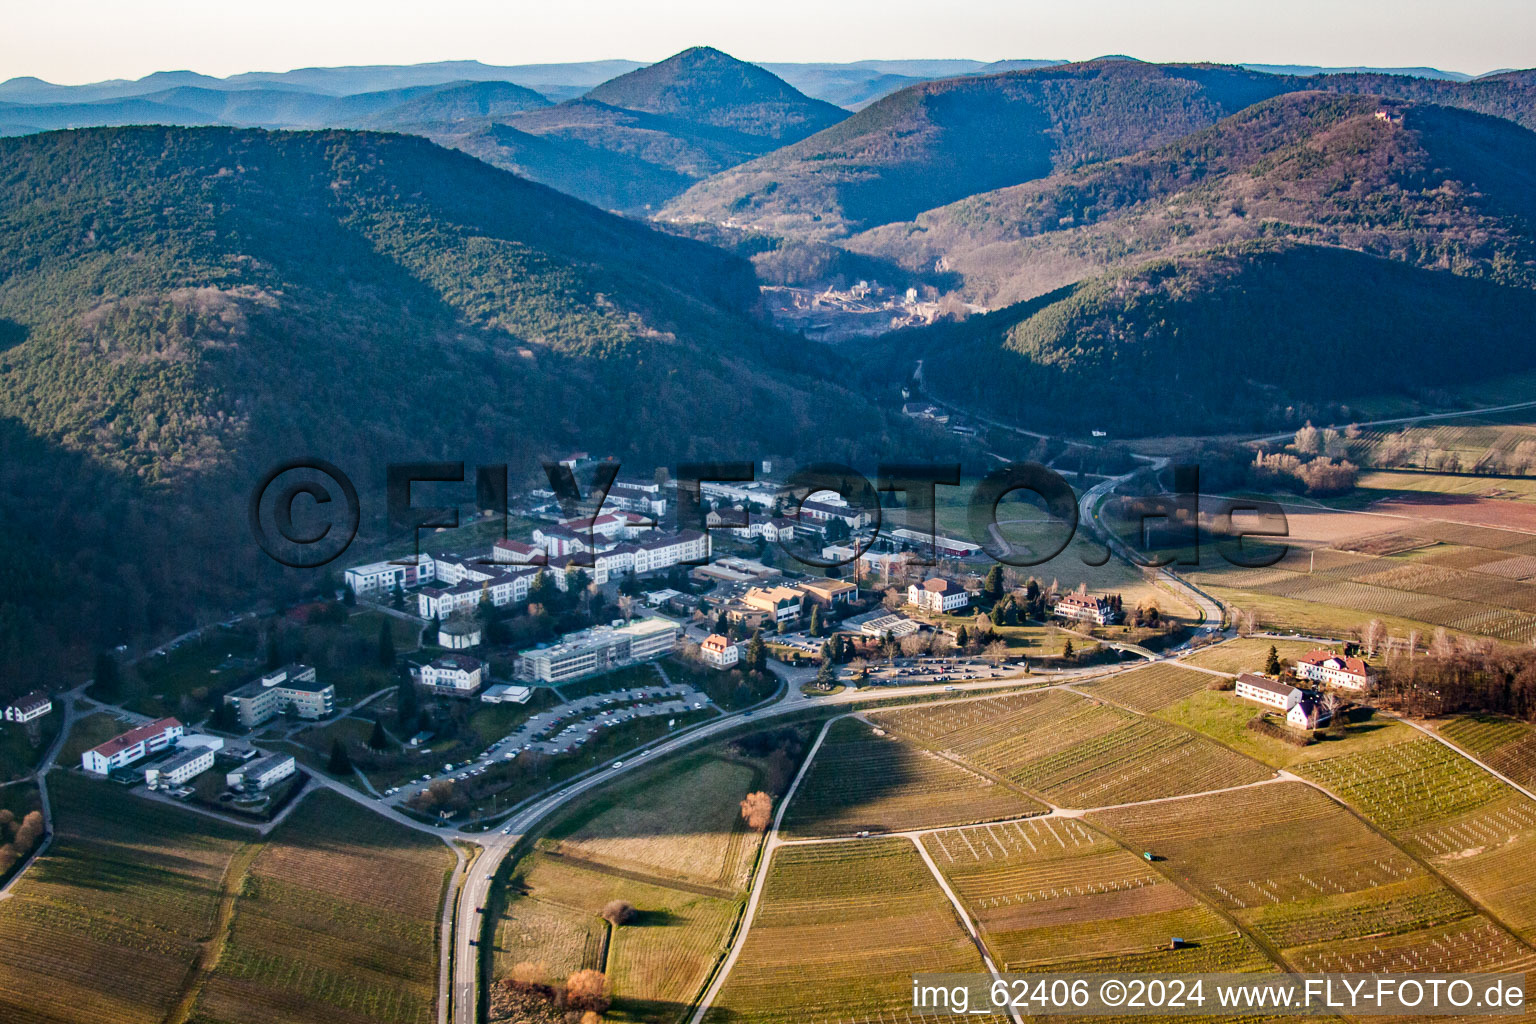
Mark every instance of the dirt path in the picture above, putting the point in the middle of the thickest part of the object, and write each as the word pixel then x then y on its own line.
pixel 213 948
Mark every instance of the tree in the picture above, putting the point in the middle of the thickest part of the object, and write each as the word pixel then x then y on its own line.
pixel 757 653
pixel 1067 653
pixel 815 627
pixel 274 651
pixel 407 705
pixel 1308 440
pixel 378 739
pixel 826 675
pixel 340 762
pixel 1375 637
pixel 618 912
pixel 757 810
pixel 397 598
pixel 349 596
pixel 587 990
pixel 992 586
pixel 108 677
pixel 386 645
pixel 962 638
pixel 996 652
pixel 1272 662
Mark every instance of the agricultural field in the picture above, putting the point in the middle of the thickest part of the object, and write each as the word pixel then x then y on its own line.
pixel 1406 786
pixel 681 821
pixel 1477 831
pixel 1049 890
pixel 336 920
pixel 1506 745
pixel 1149 689
pixel 1404 562
pixel 865 780
pixel 1075 751
pixel 656 965
pixel 839 931
pixel 1247 654
pixel 110 923
pixel 1328 892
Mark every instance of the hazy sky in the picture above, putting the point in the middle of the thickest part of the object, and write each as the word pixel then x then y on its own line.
pixel 73 41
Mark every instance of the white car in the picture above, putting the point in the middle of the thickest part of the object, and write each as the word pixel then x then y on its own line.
pixel 618 764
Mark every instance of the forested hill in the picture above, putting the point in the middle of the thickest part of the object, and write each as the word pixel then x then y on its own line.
pixel 182 307
pixel 1241 338
pixel 1426 184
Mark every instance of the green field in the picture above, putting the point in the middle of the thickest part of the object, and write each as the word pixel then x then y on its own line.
pixel 839 932
pixel 1506 745
pixel 864 781
pixel 1247 654
pixel 1224 717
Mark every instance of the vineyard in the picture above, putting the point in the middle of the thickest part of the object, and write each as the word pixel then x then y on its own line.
pixel 1049 888
pixel 1077 752
pixel 861 781
pixel 1150 689
pixel 337 920
pixel 656 964
pixel 1476 579
pixel 682 823
pixel 1504 744
pixel 107 925
pixel 1247 654
pixel 1407 785
pixel 840 931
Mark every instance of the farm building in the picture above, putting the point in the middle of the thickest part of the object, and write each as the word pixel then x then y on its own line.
pixel 1264 690
pixel 1308 713
pixel 1335 670
pixel 131 746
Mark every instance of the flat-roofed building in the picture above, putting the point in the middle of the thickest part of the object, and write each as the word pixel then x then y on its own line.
pixel 599 649
pixel 384 577
pixel 290 688
pixel 784 604
pixel 829 593
pixel 262 772
pixel 506 693
pixel 180 767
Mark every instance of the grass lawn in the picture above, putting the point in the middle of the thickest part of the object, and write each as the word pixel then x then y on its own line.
pixel 1224 718
pixel 490 722
pixel 19 754
pixel 216 661
pixel 1283 613
pixel 88 732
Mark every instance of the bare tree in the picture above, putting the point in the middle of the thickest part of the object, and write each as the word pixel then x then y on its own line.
pixel 627 606
pixel 757 810
pixel 996 652
pixel 1441 646
pixel 1374 637
pixel 915 645
pixel 587 990
pixel 1414 638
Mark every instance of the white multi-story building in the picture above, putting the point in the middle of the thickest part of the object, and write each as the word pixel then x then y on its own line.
pixel 599 649
pixel 262 772
pixel 747 492
pixel 718 651
pixel 384 577
pixel 1335 670
pixel 453 675
pixel 1264 690
pixel 123 750
pixel 499 585
pixel 292 687
pixel 645 498
pixel 180 767
pixel 938 595
pixel 29 708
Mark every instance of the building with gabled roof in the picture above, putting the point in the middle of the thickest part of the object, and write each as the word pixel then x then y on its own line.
pixel 1267 691
pixel 938 595
pixel 126 748
pixel 29 708
pixel 1347 672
